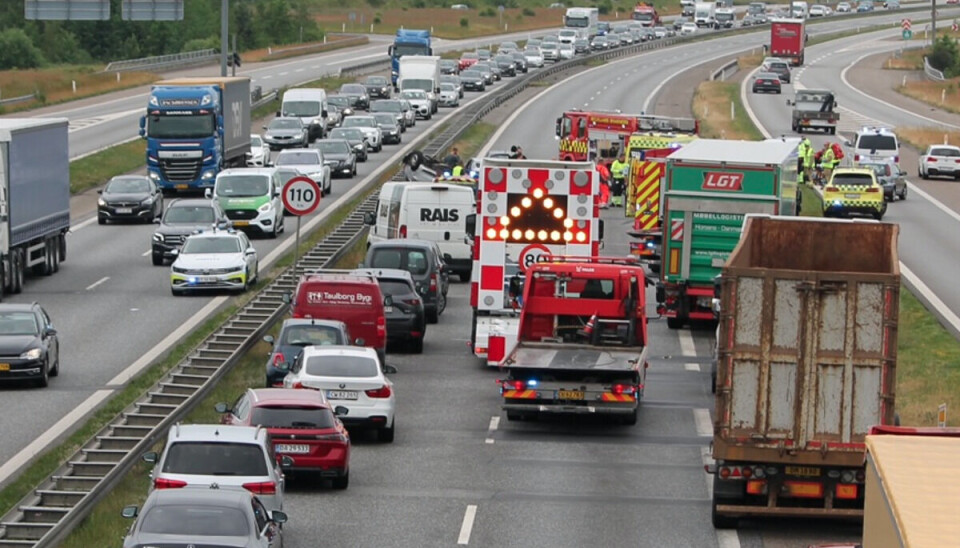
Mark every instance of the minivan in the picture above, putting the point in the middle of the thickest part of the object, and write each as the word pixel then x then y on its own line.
pixel 251 199
pixel 427 211
pixel 308 104
pixel 422 260
pixel 876 144
pixel 353 299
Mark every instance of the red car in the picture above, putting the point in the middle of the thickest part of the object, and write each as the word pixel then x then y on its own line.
pixel 302 426
pixel 468 59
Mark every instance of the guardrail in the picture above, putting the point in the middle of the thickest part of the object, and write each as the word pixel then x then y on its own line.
pixel 164 61
pixel 16 100
pixel 357 40
pixel 931 72
pixel 726 70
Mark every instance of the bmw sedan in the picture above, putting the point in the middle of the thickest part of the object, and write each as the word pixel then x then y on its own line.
pixel 29 348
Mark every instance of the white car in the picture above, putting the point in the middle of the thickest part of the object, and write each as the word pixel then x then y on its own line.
pixel 259 154
pixel 370 128
pixel 420 101
pixel 817 10
pixel 688 29
pixel 449 96
pixel 534 56
pixel 843 7
pixel 567 51
pixel 551 51
pixel 220 259
pixel 352 378
pixel 940 160
pixel 309 161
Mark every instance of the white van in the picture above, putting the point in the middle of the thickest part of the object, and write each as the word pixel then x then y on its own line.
pixel 427 211
pixel 308 104
pixel 799 10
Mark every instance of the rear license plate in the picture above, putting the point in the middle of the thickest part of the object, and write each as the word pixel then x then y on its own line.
pixel 388 309
pixel 342 394
pixel 181 187
pixel 241 223
pixel 852 196
pixel 4 367
pixel 291 448
pixel 805 471
pixel 124 210
pixel 570 394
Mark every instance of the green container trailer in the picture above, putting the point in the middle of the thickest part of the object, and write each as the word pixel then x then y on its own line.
pixel 710 185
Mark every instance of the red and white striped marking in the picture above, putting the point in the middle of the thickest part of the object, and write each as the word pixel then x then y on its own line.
pixel 676 230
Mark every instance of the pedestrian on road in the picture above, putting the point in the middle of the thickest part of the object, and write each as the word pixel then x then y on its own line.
pixel 618 171
pixel 453 158
pixel 604 186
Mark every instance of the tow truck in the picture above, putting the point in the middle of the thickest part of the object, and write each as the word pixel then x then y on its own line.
pixel 527 210
pixel 646 14
pixel 601 135
pixel 582 345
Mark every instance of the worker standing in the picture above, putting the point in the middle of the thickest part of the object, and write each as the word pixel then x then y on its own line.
pixel 458 170
pixel 827 160
pixel 453 158
pixel 604 186
pixel 808 160
pixel 618 172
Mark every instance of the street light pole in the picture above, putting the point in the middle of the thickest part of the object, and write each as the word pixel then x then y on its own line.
pixel 933 20
pixel 223 37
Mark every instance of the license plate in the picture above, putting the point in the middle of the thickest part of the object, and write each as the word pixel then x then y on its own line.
pixel 852 196
pixel 124 210
pixel 388 309
pixel 4 367
pixel 241 223
pixel 206 279
pixel 291 448
pixel 807 471
pixel 180 187
pixel 342 394
pixel 570 394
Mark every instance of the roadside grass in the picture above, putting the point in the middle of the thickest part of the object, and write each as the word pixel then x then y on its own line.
pixel 96 169
pixel 711 104
pixel 921 138
pixel 473 139
pixel 810 203
pixel 55 84
pixel 814 40
pixel 911 59
pixel 748 62
pixel 443 22
pixel 332 42
pixel 931 93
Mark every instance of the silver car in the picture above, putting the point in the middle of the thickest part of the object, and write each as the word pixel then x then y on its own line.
pixel 551 51
pixel 371 130
pixel 285 132
pixel 449 96
pixel 420 101
pixel 534 56
pixel 208 455
pixel 566 50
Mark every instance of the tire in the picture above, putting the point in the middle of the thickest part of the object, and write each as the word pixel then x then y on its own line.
pixel 157 259
pixel 101 220
pixel 56 367
pixel 18 273
pixel 465 276
pixel 432 315
pixel 631 419
pixel 416 345
pixel 353 172
pixel 342 482
pixel 44 380
pixel 441 303
pixel 675 323
pixel 55 255
pixel 903 195
pixel 62 247
pixel 924 176
pixel 833 131
pixel 514 416
pixel 273 233
pixel 47 267
pixel 385 435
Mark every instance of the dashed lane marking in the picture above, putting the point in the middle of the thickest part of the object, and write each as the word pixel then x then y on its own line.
pixel 701 418
pixel 98 282
pixel 692 367
pixel 494 424
pixel 467 526
pixel 687 347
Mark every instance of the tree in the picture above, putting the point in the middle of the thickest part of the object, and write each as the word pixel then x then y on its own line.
pixel 944 55
pixel 17 50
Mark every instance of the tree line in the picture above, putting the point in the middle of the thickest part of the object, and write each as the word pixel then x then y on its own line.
pixel 257 24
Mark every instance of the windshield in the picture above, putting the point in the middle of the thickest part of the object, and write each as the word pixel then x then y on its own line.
pixel 950 152
pixel 310 335
pixel 470 75
pixel 286 174
pixel 577 22
pixel 342 366
pixel 301 108
pixel 278 123
pixel 333 147
pixel 385 118
pixel 353 89
pixel 196 246
pixel 385 106
pixel 356 121
pixel 724 17
pixel 288 158
pixel 18 323
pixel 349 134
pixel 338 101
pixel 399 50
pixel 376 81
pixel 205 458
pixel 877 142
pixel 879 169
pixel 642 16
pixel 425 85
pixel 447 87
pixel 292 417
pixel 127 186
pixel 568 32
pixel 238 186
pixel 188 215
pixel 192 126
pixel 414 94
pixel 195 521
pixel 851 179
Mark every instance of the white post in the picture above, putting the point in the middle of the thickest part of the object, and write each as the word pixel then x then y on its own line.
pixel 706 110
pixel 74 86
pixel 118 77
pixel 943 96
pixel 431 30
pixel 371 28
pixel 945 140
pixel 343 27
pixel 903 84
pixel 732 111
pixel 506 26
pixel 270 50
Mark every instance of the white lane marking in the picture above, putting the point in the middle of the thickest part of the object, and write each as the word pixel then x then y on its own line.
pixel 267 77
pixel 284 73
pixel 101 149
pixel 467 526
pixel 701 418
pixel 82 224
pixel 352 59
pixel 687 347
pixel 935 202
pixel 494 424
pixel 98 282
pixel 53 433
pixel 147 252
pixel 692 367
pixel 85 123
pixel 299 70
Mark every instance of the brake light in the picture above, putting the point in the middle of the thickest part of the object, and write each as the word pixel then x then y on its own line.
pixel 856 157
pixel 261 488
pixel 402 233
pixel 896 158
pixel 381 327
pixel 620 389
pixel 931 159
pixel 300 385
pixel 514 385
pixel 277 359
pixel 433 282
pixel 412 302
pixel 832 189
pixel 382 392
pixel 334 437
pixel 164 483
pixel 873 189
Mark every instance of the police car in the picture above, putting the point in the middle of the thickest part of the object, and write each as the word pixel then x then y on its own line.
pixel 219 259
pixel 853 191
pixel 875 144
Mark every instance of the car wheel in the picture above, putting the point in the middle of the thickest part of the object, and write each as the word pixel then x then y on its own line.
pixel 903 194
pixel 675 323
pixel 176 292
pixel 441 303
pixel 432 315
pixel 385 434
pixel 157 259
pixel 416 345
pixel 379 147
pixel 44 379
pixel 273 233
pixel 464 276
pixel 101 220
pixel 56 366
pixel 353 172
pixel 341 482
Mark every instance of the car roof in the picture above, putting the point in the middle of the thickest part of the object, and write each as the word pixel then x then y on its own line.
pixel 403 243
pixel 951 147
pixel 381 273
pixel 312 321
pixel 216 433
pixel 17 307
pixel 202 496
pixel 248 171
pixel 877 130
pixel 275 396
pixel 854 170
pixel 339 350
pixel 191 202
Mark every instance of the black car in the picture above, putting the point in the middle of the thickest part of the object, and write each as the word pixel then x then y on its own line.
pixel 506 64
pixel 581 45
pixel 766 81
pixel 389 127
pixel 520 59
pixel 422 259
pixel 182 218
pixel 133 197
pixel 339 155
pixel 449 66
pixel 486 72
pixel 354 137
pixel 295 334
pixel 28 344
pixel 393 107
pixel 344 105
pixel 357 94
pixel 473 80
pixel 377 86
pixel 406 321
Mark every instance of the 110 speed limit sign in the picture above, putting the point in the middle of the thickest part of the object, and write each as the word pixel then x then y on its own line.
pixel 301 196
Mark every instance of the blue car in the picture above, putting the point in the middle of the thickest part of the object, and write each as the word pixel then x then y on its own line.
pixel 864 7
pixel 295 334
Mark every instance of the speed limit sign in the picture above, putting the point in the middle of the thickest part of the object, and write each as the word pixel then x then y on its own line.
pixel 301 195
pixel 533 254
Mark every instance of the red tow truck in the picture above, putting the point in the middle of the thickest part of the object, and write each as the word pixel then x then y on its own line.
pixel 646 14
pixel 787 39
pixel 582 344
pixel 602 135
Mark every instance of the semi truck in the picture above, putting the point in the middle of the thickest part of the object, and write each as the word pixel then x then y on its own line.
pixel 583 20
pixel 582 344
pixel 710 185
pixel 787 40
pixel 195 128
pixel 34 198
pixel 646 15
pixel 407 42
pixel 806 363
pixel 421 72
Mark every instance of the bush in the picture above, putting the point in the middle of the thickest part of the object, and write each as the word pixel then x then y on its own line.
pixel 464 22
pixel 197 44
pixel 605 7
pixel 944 56
pixel 529 12
pixel 17 50
pixel 488 13
pixel 376 20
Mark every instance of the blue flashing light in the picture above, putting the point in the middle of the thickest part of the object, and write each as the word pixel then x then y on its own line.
pixel 837 202
pixel 532 382
pixel 651 244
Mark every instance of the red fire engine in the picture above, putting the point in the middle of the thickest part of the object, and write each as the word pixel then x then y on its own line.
pixel 602 135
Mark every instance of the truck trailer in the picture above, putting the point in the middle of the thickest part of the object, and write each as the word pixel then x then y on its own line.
pixel 34 198
pixel 788 38
pixel 421 72
pixel 806 363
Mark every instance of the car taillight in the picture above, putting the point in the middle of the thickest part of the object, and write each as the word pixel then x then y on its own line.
pixel 299 385
pixel 381 327
pixel 164 483
pixel 277 359
pixel 832 189
pixel 412 302
pixel 896 159
pixel 261 488
pixel 513 385
pixel 873 189
pixel 620 389
pixel 334 437
pixel 402 233
pixel 931 159
pixel 856 157
pixel 382 392
pixel 433 282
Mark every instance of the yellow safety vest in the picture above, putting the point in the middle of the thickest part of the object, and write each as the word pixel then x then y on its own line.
pixel 457 171
pixel 618 169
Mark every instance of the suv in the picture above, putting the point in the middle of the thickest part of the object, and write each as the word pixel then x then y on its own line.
pixel 405 317
pixel 182 218
pixel 778 67
pixel 251 198
pixel 295 335
pixel 310 162
pixel 853 191
pixel 875 144
pixel 423 260
pixel 205 455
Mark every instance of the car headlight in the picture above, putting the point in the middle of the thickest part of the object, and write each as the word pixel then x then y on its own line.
pixel 31 354
pixel 157 237
pixel 154 175
pixel 179 270
pixel 358 147
pixel 316 121
pixel 265 207
pixel 147 201
pixel 207 175
pixel 101 203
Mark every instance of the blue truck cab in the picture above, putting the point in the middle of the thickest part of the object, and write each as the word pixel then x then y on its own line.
pixel 195 128
pixel 407 42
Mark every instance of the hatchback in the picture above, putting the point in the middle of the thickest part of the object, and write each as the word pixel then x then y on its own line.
pixel 131 197
pixel 295 335
pixel 780 68
pixel 422 259
pixel 29 347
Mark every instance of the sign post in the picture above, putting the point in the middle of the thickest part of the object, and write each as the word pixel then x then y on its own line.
pixel 907 29
pixel 301 196
pixel 942 415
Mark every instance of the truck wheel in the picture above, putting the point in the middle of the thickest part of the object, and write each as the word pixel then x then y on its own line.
pixel 48 258
pixel 631 419
pixel 675 323
pixel 514 416
pixel 55 253
pixel 719 521
pixel 62 245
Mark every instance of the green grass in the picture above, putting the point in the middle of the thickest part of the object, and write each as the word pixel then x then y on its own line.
pixel 95 170
pixel 474 138
pixel 810 205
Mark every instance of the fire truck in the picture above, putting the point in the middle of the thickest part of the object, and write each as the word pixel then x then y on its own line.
pixel 527 210
pixel 602 135
pixel 647 153
pixel 646 14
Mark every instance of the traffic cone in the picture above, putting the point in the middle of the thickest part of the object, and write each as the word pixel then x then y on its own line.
pixel 587 330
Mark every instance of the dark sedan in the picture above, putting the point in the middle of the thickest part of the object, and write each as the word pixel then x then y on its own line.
pixel 766 81
pixel 343 103
pixel 354 137
pixel 29 348
pixel 294 335
pixel 339 155
pixel 133 197
pixel 393 107
pixel 449 66
pixel 357 94
pixel 406 321
pixel 506 64
pixel 389 126
pixel 377 86
pixel 520 60
pixel 473 80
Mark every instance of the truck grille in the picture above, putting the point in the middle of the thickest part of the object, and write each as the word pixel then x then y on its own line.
pixel 241 214
pixel 181 169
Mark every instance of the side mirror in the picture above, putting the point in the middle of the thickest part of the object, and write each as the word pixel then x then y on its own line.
pixel 340 410
pixel 389 369
pixel 143 124
pixel 129 512
pixel 49 332
pixel 369 218
pixel 286 462
pixel 250 251
pixel 221 407
pixel 388 301
pixel 390 51
pixel 152 457
pixel 219 122
pixel 278 517
pixel 447 258
pixel 848 143
pixel 359 342
pixel 268 339
pixel 265 127
pixel 559 125
pixel 287 297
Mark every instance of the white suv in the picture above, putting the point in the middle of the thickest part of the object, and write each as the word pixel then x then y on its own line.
pixel 878 144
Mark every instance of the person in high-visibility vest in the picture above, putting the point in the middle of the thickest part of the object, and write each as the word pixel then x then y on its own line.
pixel 618 171
pixel 458 170
pixel 827 161
pixel 808 160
